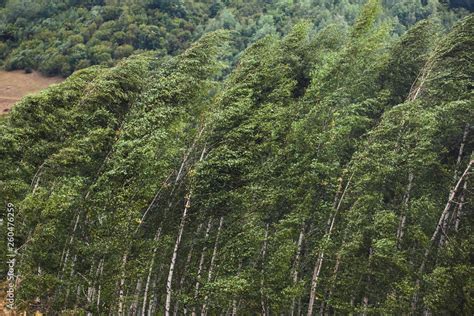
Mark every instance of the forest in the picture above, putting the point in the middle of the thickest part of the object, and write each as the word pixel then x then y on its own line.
pixel 254 158
pixel 58 37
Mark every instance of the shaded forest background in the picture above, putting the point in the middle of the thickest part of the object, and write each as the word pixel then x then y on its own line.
pixel 58 37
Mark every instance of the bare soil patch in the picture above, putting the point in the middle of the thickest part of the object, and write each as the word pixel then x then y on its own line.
pixel 16 84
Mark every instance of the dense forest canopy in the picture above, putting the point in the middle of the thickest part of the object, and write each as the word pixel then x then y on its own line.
pixel 58 37
pixel 329 172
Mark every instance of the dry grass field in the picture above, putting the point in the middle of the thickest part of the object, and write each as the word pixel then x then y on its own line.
pixel 16 84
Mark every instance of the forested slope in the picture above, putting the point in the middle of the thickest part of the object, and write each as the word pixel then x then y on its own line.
pixel 328 173
pixel 58 37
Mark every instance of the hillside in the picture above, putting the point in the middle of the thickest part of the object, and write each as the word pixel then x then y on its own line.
pixel 57 37
pixel 328 173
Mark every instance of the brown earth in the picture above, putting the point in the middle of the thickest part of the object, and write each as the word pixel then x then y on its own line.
pixel 16 84
pixel 4 311
pixel 3 294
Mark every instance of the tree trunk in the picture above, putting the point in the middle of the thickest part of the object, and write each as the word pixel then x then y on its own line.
pixel 320 260
pixel 91 283
pixel 403 215
pixel 65 258
pixel 153 201
pixel 169 281
pixel 150 269
pixel 36 185
pixel 188 262
pixel 262 273
pixel 438 229
pixel 78 293
pixel 211 266
pixel 458 214
pixel 333 281
pixel 99 287
pixel 70 277
pixel 365 300
pixel 447 220
pixel 452 194
pixel 296 265
pixel 122 283
pixel 136 296
pixel 152 302
pixel 234 307
pixel 92 289
pixel 365 304
pixel 189 151
pixel 201 264
pixel 314 282
pixel 419 82
pixel 461 150
pixel 234 303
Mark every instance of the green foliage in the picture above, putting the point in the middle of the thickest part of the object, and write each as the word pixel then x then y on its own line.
pixel 61 36
pixel 319 167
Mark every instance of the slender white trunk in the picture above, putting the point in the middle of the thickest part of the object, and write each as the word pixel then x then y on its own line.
pixel 78 293
pixel 320 260
pixel 201 264
pixel 152 203
pixel 419 82
pixel 37 176
pixel 458 215
pixel 134 306
pixel 153 299
pixel 122 283
pixel 70 277
pixel 262 273
pixel 448 205
pixel 365 300
pixel 234 307
pixel 444 230
pixel 211 266
pixel 36 185
pixel 298 255
pixel 214 253
pixel 169 281
pixel 365 304
pixel 92 289
pixel 403 215
pixel 99 287
pixel 296 265
pixel 437 231
pixel 234 300
pixel 446 220
pixel 69 243
pixel 461 150
pixel 188 153
pixel 314 282
pixel 37 299
pixel 333 281
pixel 92 276
pixel 150 270
pixel 188 261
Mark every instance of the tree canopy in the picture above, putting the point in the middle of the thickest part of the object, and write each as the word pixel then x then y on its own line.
pixel 327 172
pixel 58 37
